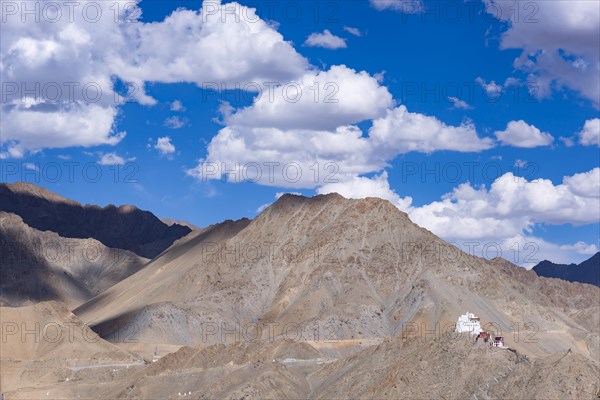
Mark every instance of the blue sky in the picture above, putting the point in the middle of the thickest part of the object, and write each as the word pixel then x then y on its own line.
pixel 431 100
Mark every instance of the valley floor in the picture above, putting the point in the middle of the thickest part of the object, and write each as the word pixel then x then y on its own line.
pixel 449 368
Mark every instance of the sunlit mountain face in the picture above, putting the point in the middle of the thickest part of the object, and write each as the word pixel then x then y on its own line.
pixel 283 199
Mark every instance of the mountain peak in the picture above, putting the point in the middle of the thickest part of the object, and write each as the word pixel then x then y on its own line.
pixel 26 188
pixel 334 199
pixel 294 198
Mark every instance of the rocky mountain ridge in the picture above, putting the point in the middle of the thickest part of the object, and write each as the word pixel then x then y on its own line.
pixel 587 271
pixel 124 227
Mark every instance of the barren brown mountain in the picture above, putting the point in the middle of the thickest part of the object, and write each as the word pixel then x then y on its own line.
pixel 359 269
pixel 327 297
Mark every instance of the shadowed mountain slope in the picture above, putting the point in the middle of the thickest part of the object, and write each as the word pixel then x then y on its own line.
pixel 587 271
pixel 124 227
pixel 41 265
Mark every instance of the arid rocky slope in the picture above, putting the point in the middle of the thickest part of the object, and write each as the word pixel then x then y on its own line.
pixel 352 269
pixel 321 298
pixel 45 344
pixel 124 227
pixel 41 265
pixel 444 367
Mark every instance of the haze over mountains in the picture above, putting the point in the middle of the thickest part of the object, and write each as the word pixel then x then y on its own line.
pixel 321 297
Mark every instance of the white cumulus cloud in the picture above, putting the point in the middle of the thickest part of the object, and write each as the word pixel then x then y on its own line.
pixel 401 131
pixel 325 39
pixel 581 248
pixel 586 184
pixel 590 134
pixel 521 134
pixel 332 98
pixel 327 148
pixel 511 206
pixel 492 89
pixel 164 146
pixel 404 6
pixel 177 105
pixel 112 159
pixel 560 43
pixel 86 69
pixel 175 122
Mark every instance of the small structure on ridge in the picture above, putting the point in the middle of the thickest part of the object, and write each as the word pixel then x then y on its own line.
pixel 468 323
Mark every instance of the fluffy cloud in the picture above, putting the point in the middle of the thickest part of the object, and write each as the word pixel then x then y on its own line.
pixel 79 72
pixel 586 184
pixel 317 153
pixel 31 167
pixel 325 39
pixel 332 98
pixel 291 150
pixel 401 131
pixel 502 218
pixel 175 122
pixel 581 248
pixel 177 105
pixel 13 150
pixel 226 43
pixel 164 146
pixel 510 207
pixel 521 134
pixel 560 42
pixel 568 141
pixel 58 80
pixel 520 163
pixel 590 134
pixel 405 6
pixel 55 126
pixel 295 158
pixel 113 159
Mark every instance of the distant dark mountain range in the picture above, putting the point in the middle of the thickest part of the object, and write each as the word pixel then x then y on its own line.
pixel 124 227
pixel 586 272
